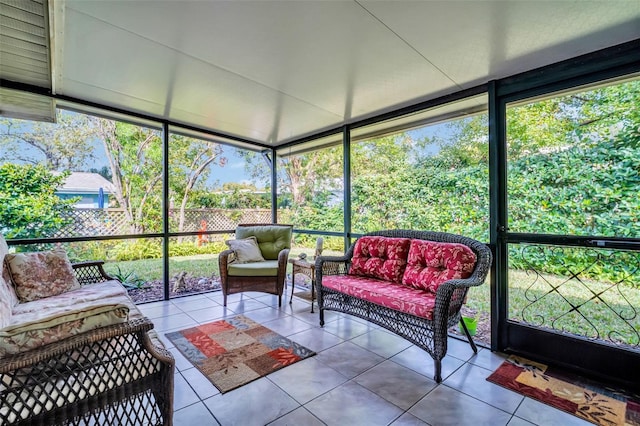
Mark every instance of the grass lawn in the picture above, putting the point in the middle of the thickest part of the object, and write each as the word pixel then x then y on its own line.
pixel 533 300
pixel 201 265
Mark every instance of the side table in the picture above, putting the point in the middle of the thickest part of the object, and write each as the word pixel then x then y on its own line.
pixel 301 266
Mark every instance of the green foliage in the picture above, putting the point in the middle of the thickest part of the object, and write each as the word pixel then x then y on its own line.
pixel 29 207
pixel 89 250
pixel 152 249
pixel 231 196
pixel 129 279
pixel 138 249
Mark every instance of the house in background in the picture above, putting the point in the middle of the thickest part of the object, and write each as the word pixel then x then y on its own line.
pixel 93 189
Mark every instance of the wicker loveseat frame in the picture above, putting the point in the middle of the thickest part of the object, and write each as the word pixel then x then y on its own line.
pixel 430 335
pixel 112 375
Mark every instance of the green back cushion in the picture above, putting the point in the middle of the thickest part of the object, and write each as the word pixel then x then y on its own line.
pixel 271 239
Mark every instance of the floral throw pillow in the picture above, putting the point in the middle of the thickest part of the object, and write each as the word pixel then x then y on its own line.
pixel 431 263
pixel 41 274
pixel 379 257
pixel 246 250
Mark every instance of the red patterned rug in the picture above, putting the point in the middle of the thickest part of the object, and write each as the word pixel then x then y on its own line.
pixel 576 395
pixel 235 351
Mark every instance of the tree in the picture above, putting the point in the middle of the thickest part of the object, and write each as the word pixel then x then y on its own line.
pixel 65 145
pixel 29 207
pixel 190 161
pixel 134 154
pixel 304 175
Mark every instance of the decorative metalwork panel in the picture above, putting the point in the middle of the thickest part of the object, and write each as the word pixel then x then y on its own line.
pixel 589 292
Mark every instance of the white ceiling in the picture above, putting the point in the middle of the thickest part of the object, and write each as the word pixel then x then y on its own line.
pixel 273 71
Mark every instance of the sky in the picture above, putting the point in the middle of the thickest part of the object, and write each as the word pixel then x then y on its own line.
pixel 234 170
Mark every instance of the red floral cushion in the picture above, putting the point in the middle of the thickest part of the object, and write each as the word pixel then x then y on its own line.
pixel 401 298
pixel 380 257
pixel 431 263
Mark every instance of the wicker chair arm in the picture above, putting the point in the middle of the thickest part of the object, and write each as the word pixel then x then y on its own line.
pixel 135 371
pixel 91 272
pixel 223 261
pixel 283 256
pixel 53 350
pixel 224 256
pixel 450 297
pixel 331 265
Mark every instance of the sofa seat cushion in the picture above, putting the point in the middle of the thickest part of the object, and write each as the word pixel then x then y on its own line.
pixel 431 263
pixel 380 257
pixel 87 293
pixel 394 296
pixel 34 329
pixel 268 268
pixel 107 292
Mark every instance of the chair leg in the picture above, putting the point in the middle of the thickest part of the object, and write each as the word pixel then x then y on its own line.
pixel 293 285
pixel 466 332
pixel 438 373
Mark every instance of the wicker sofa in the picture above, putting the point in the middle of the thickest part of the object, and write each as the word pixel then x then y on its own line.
pixel 412 283
pixel 84 356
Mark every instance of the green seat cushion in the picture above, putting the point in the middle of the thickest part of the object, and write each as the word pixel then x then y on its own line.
pixel 271 239
pixel 268 268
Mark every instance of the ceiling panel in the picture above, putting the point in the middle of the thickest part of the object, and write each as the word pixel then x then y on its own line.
pixel 473 42
pixel 276 69
pixel 332 54
pixel 168 83
pixel 273 71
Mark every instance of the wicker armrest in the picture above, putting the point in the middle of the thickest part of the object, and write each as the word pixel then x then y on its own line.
pixel 283 256
pixel 112 368
pixel 91 272
pixel 332 265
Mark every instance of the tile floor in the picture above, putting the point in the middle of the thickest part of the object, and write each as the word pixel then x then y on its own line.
pixel 361 375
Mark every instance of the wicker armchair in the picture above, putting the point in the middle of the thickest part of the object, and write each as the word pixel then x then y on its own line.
pixel 117 374
pixel 274 241
pixel 428 334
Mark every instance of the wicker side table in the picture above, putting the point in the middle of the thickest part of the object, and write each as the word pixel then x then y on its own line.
pixel 301 266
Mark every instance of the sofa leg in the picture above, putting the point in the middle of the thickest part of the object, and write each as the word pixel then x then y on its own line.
pixel 224 299
pixel 321 317
pixel 438 367
pixel 469 338
pixel 280 301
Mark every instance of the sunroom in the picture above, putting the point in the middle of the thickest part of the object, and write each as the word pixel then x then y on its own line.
pixel 513 123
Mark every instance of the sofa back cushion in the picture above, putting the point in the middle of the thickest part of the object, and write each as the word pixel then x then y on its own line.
pixel 431 263
pixel 384 258
pixel 41 274
pixel 271 238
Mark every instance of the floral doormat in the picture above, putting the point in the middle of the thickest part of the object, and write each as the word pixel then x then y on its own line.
pixel 576 395
pixel 235 351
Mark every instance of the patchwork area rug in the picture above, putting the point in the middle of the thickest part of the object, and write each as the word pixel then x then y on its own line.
pixel 576 395
pixel 235 351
